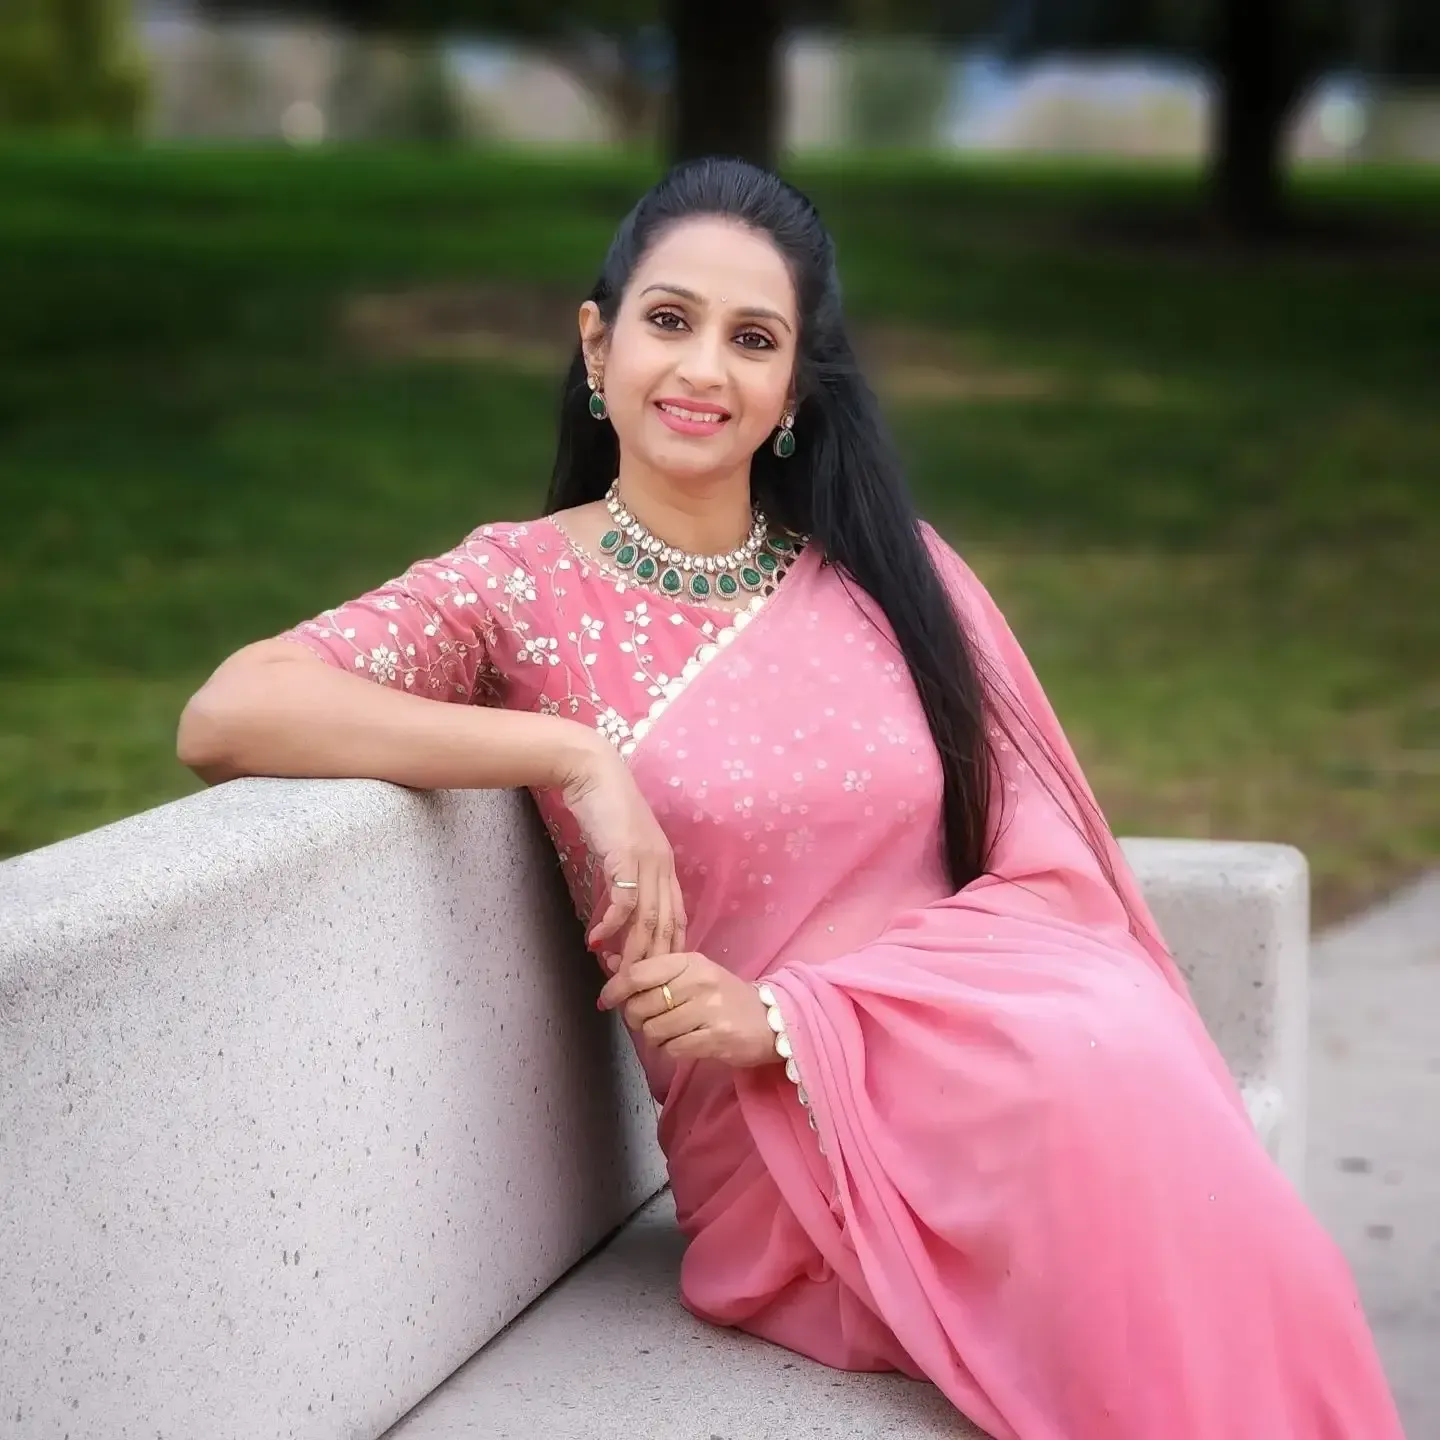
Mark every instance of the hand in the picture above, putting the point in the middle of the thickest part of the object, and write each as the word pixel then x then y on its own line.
pixel 623 834
pixel 716 1015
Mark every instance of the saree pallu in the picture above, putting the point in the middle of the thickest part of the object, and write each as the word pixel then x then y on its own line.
pixel 1014 1162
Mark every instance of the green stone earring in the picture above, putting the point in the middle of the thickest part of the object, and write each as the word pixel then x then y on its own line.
pixel 597 406
pixel 784 442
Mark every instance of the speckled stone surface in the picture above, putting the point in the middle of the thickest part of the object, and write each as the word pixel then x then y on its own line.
pixel 1237 917
pixel 303 1096
pixel 610 1354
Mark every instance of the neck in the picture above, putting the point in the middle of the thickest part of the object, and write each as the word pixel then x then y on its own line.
pixel 707 518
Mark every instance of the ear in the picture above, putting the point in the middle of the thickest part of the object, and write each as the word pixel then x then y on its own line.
pixel 593 336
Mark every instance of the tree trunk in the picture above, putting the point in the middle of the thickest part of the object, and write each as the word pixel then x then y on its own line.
pixel 1258 78
pixel 725 88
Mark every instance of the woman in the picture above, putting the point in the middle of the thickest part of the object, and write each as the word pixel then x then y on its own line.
pixel 934 1097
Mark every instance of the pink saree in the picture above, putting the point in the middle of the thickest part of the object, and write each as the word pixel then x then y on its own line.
pixel 1006 1156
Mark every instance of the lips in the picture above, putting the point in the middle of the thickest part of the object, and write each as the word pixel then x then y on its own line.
pixel 691 417
pixel 693 410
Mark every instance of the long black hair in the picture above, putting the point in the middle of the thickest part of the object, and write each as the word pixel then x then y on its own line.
pixel 843 487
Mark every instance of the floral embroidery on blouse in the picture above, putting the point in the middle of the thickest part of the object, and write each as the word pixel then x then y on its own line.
pixel 493 622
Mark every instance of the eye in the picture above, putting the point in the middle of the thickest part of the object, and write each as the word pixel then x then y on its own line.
pixel 755 340
pixel 661 319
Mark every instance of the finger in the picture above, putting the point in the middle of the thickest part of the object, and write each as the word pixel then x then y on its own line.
pixel 663 942
pixel 605 927
pixel 646 918
pixel 668 1026
pixel 677 910
pixel 647 974
pixel 647 1004
pixel 695 1044
pixel 623 899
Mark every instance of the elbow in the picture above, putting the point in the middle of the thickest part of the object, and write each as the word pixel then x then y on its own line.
pixel 202 738
pixel 223 730
pixel 211 724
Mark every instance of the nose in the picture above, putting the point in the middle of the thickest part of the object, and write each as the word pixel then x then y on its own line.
pixel 702 361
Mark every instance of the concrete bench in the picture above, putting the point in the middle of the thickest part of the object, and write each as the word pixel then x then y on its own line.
pixel 304 1099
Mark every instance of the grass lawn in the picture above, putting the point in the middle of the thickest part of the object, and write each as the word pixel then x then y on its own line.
pixel 1206 488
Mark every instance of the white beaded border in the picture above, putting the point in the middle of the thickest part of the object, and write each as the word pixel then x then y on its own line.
pixel 693 666
pixel 785 1050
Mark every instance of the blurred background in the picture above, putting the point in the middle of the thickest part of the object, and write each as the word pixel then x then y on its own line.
pixel 1149 288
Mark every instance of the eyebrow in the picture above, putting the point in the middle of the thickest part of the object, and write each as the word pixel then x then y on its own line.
pixel 758 312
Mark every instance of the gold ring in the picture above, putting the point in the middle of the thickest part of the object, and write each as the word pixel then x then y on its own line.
pixel 669 998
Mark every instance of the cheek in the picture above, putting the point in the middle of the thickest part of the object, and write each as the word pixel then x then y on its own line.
pixel 637 354
pixel 630 377
pixel 764 393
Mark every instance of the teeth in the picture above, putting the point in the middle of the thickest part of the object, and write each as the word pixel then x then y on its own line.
pixel 692 414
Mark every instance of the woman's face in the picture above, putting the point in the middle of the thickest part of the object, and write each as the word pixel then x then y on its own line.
pixel 698 366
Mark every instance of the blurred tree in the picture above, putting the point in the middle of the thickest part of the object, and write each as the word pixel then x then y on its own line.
pixel 69 65
pixel 720 63
pixel 895 92
pixel 1264 54
pixel 389 93
pixel 617 49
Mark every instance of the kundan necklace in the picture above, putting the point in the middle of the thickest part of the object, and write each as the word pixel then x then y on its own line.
pixel 753 567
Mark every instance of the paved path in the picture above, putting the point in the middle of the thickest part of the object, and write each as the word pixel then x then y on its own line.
pixel 1374 1162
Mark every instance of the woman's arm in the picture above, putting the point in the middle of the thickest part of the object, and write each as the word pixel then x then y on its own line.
pixel 353 693
pixel 275 708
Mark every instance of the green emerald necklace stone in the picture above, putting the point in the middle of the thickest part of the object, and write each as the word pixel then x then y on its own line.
pixel 751 567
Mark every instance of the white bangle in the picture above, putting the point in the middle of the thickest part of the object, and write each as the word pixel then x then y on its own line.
pixel 783 1047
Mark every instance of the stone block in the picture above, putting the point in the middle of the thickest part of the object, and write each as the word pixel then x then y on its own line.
pixel 1236 916
pixel 303 1096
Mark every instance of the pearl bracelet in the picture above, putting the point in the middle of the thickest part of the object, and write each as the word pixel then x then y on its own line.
pixel 784 1049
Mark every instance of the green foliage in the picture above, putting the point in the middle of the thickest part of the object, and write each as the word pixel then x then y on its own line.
pixel 552 19
pixel 1399 37
pixel 895 89
pixel 1204 492
pixel 397 93
pixel 69 65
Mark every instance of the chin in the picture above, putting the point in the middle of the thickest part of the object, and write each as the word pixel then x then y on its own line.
pixel 693 462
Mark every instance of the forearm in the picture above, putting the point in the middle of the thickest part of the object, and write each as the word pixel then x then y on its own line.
pixel 297 717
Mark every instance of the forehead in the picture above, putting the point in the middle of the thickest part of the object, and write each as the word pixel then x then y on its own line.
pixel 719 259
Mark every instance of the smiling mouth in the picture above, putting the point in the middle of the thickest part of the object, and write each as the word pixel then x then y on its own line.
pixel 692 415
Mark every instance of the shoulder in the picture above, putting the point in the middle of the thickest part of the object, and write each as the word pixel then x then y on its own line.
pixel 959 578
pixel 498 548
pixel 510 538
pixel 973 603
